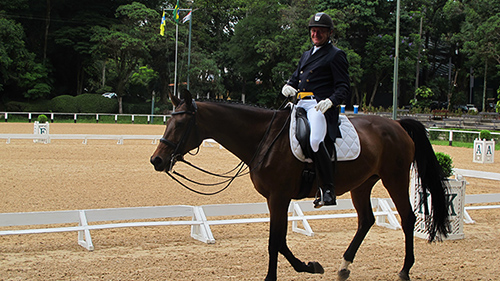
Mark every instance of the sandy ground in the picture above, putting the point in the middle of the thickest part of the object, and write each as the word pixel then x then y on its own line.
pixel 68 175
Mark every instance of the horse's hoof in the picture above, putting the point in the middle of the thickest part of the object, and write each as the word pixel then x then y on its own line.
pixel 343 274
pixel 315 267
pixel 404 276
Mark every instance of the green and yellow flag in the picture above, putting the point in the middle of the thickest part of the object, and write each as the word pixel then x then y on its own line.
pixel 176 13
pixel 162 25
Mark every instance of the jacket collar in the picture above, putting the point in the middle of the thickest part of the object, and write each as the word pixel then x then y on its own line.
pixel 323 51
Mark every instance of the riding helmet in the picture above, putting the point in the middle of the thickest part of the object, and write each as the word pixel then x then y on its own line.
pixel 321 20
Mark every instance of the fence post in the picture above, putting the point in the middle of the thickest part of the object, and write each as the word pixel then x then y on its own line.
pixel 52 118
pixel 75 117
pixel 97 118
pixel 451 138
pixel 6 116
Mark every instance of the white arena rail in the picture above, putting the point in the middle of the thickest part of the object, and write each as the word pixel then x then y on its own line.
pixel 479 198
pixel 200 218
pixel 84 137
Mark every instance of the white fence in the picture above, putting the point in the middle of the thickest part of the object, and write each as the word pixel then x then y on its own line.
pixel 84 137
pixel 200 218
pixel 60 115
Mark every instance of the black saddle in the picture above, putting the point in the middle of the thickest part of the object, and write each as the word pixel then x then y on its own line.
pixel 303 133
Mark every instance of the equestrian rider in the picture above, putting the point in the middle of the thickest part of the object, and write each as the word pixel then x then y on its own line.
pixel 321 83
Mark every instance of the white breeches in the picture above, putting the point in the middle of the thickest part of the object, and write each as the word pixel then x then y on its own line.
pixel 317 122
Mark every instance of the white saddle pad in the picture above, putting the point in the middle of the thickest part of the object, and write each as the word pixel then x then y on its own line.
pixel 348 147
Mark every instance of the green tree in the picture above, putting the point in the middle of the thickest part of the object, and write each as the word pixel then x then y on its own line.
pixel 126 44
pixel 481 35
pixel 18 66
pixel 147 78
pixel 251 49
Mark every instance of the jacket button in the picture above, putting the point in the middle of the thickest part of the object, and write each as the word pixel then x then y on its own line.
pixel 300 81
pixel 311 71
pixel 301 72
pixel 307 80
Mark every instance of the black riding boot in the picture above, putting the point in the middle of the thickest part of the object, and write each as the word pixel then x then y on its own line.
pixel 325 168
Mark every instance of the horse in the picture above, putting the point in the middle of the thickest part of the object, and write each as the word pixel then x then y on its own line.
pixel 259 137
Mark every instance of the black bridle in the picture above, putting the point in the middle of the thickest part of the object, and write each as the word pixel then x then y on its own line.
pixel 177 154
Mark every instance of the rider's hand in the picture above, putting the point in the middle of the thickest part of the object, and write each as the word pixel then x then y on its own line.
pixel 288 91
pixel 324 105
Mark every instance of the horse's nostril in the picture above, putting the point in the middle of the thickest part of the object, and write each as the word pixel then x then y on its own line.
pixel 156 161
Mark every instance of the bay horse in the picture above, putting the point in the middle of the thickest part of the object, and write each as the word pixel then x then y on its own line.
pixel 259 138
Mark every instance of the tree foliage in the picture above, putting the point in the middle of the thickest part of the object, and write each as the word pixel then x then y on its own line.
pixel 243 49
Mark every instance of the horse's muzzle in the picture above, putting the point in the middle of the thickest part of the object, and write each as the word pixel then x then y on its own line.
pixel 159 164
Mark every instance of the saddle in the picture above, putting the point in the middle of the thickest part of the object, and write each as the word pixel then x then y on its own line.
pixel 347 147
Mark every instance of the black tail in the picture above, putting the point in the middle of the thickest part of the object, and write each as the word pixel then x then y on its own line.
pixel 432 179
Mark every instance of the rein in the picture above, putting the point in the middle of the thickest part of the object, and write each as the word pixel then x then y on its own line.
pixel 176 156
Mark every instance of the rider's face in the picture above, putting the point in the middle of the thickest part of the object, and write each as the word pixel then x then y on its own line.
pixel 320 35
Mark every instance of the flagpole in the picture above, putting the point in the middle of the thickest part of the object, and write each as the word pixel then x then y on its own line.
pixel 176 50
pixel 189 48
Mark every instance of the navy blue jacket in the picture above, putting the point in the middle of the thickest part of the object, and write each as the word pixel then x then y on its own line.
pixel 325 73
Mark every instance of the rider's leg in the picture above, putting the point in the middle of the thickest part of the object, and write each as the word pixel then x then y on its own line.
pixel 321 158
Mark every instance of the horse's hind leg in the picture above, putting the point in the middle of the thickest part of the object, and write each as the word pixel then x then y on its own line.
pixel 361 201
pixel 398 190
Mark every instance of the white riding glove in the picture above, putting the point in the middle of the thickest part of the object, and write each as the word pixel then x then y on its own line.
pixel 288 91
pixel 324 105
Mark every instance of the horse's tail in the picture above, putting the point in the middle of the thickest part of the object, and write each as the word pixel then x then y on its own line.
pixel 432 179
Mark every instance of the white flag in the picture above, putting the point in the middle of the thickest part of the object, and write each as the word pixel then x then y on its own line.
pixel 187 17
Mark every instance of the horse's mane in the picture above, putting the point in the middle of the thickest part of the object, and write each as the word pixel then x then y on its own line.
pixel 239 103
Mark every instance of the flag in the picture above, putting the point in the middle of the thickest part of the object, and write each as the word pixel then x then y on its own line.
pixel 176 12
pixel 162 25
pixel 187 17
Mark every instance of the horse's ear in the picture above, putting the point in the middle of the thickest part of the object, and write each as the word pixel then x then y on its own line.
pixel 175 100
pixel 186 96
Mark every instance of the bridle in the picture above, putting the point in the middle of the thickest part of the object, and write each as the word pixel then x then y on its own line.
pixel 179 147
pixel 177 154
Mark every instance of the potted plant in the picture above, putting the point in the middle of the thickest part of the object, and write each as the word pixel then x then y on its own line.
pixel 446 163
pixel 42 118
pixel 455 194
pixel 41 127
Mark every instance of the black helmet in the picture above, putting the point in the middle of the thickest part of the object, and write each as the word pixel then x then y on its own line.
pixel 321 20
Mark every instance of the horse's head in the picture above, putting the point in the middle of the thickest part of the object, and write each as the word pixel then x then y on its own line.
pixel 181 134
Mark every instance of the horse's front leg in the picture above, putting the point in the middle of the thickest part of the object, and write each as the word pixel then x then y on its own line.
pixel 277 241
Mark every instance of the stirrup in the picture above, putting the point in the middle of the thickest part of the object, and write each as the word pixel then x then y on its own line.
pixel 318 201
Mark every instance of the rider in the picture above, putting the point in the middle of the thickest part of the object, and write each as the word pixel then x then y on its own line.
pixel 322 83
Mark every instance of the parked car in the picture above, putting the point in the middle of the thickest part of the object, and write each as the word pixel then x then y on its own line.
pixel 461 108
pixel 109 95
pixel 471 107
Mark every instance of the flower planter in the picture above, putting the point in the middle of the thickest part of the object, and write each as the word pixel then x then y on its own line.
pixel 456 197
pixel 41 129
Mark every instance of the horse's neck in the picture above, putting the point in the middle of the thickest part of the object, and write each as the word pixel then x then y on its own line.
pixel 238 128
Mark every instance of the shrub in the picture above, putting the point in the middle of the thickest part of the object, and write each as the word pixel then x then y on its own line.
pixel 42 118
pixel 92 103
pixel 446 163
pixel 485 134
pixel 64 103
pixel 38 105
